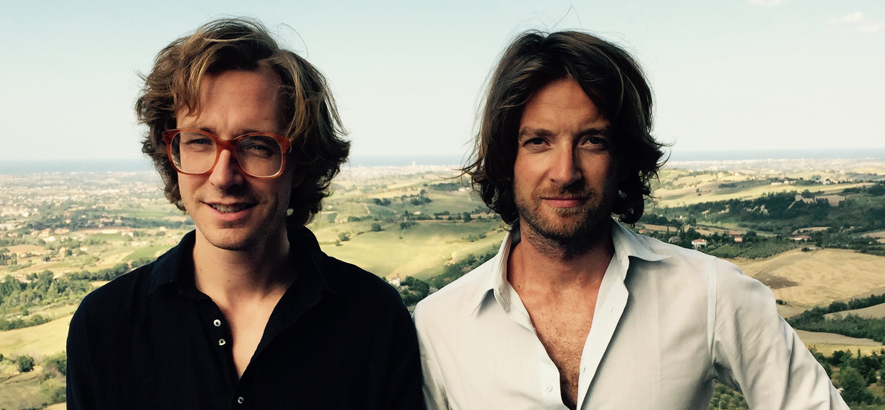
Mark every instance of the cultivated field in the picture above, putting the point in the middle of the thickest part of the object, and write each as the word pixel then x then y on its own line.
pixel 36 341
pixel 709 192
pixel 827 343
pixel 818 277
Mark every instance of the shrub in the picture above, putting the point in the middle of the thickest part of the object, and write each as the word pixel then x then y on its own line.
pixel 24 363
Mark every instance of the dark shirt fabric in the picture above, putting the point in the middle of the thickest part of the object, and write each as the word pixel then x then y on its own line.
pixel 339 338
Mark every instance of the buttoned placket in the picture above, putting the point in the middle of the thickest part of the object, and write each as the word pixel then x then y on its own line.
pixel 220 338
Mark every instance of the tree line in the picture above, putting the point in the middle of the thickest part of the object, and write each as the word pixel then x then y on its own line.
pixel 850 325
pixel 17 297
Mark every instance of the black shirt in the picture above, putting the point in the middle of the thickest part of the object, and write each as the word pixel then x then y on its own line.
pixel 339 338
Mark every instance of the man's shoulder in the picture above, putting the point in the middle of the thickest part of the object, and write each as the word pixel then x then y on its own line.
pixel 117 298
pixel 463 294
pixel 356 282
pixel 683 259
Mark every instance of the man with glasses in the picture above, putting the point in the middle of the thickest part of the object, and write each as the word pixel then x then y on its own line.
pixel 247 311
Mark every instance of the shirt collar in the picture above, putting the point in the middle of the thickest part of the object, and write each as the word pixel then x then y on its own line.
pixel 627 244
pixel 171 266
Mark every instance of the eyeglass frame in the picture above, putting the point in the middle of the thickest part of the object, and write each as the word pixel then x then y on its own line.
pixel 229 145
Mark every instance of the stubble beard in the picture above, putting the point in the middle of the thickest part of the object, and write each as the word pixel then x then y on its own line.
pixel 567 232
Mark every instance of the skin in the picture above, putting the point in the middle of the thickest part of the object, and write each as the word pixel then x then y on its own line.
pixel 565 180
pixel 240 254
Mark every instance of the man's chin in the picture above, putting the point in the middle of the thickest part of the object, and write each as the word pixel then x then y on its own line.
pixel 563 231
pixel 230 239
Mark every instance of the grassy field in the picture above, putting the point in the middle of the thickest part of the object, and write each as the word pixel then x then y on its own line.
pixel 149 252
pixel 36 341
pixel 820 276
pixel 21 391
pixel 827 343
pixel 420 251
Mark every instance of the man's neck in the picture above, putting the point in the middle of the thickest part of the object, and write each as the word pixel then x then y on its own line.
pixel 231 277
pixel 540 265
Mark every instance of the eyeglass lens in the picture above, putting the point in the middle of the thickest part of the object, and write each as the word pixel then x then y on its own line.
pixel 258 155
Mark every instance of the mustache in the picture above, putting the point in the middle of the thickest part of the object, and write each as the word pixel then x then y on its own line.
pixel 567 192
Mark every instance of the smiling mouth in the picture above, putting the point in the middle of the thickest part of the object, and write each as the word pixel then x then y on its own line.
pixel 225 209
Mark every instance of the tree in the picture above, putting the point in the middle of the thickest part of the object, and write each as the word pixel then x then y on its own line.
pixel 24 363
pixel 467 217
pixel 376 227
pixel 343 237
pixel 854 387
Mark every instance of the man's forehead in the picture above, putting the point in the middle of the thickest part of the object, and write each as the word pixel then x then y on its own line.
pixel 197 95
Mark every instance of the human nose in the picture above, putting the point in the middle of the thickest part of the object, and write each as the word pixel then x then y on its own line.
pixel 565 170
pixel 227 171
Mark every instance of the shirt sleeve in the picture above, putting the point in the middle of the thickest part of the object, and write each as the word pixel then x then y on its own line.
pixel 434 388
pixel 757 353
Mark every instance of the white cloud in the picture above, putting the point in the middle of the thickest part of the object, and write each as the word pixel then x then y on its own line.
pixel 858 23
pixel 765 2
pixel 856 17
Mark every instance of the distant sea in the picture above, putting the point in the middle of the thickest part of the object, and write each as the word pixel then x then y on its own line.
pixel 812 154
pixel 142 164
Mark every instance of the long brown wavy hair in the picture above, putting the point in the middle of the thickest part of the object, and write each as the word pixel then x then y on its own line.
pixel 607 74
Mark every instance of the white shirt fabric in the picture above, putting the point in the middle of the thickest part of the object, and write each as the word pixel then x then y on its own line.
pixel 667 322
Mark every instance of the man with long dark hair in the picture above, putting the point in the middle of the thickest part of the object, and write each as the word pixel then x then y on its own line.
pixel 247 311
pixel 576 311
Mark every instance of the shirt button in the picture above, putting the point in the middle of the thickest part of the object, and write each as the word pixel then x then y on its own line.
pixel 240 400
pixel 217 323
pixel 222 342
pixel 548 388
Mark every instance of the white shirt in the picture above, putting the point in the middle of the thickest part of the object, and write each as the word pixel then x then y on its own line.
pixel 667 322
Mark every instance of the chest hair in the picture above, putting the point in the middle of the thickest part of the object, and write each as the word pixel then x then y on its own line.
pixel 562 328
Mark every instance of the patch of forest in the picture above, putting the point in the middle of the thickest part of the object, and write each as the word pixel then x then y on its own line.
pixel 850 325
pixel 19 297
pixel 859 210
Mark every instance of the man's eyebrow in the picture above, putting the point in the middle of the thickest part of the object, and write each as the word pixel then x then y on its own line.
pixel 533 132
pixel 604 131
pixel 529 132
pixel 240 132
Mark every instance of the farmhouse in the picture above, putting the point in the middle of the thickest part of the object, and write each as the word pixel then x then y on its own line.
pixel 697 243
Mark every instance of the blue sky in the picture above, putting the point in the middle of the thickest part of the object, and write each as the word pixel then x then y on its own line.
pixel 408 76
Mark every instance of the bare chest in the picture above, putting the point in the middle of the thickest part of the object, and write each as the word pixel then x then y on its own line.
pixel 247 328
pixel 563 329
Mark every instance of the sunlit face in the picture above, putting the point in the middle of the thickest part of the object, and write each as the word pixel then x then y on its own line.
pixel 564 177
pixel 231 210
